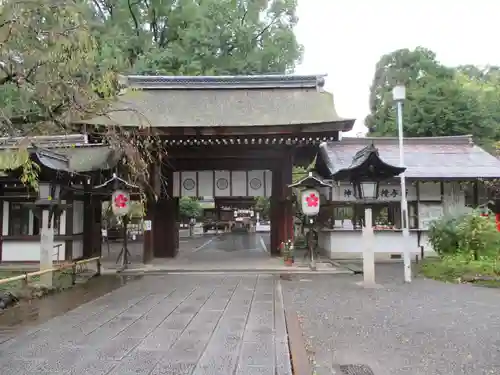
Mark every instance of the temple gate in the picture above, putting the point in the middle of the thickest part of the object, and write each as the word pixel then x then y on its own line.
pixel 235 136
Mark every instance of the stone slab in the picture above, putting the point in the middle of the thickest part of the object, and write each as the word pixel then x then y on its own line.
pixel 162 324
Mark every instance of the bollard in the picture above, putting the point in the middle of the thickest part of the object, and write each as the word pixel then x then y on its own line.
pixel 98 273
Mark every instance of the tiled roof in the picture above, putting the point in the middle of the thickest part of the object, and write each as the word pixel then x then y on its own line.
pixel 454 157
pixel 224 102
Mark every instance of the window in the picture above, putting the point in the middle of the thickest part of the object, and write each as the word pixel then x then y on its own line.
pixel 19 220
pixel 22 222
pixel 384 216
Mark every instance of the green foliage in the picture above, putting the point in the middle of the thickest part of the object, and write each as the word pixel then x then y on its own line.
pixel 49 67
pixel 440 100
pixel 478 237
pixel 298 173
pixel 457 268
pixel 210 37
pixel 443 233
pixel 59 59
pixel 469 235
pixel 190 208
pixel 263 205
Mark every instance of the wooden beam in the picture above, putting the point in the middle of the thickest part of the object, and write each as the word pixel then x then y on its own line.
pixel 223 164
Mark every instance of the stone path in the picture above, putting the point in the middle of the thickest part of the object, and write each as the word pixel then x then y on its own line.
pixel 424 328
pixel 171 324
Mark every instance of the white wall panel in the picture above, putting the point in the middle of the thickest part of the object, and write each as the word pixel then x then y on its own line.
pixel 189 184
pixel 256 183
pixel 269 183
pixel 206 183
pixel 239 183
pixel 222 181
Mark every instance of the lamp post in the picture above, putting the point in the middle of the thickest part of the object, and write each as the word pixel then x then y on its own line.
pixel 367 191
pixel 310 205
pixel 399 95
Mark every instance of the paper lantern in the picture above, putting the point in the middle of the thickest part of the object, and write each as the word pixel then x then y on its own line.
pixel 120 203
pixel 310 202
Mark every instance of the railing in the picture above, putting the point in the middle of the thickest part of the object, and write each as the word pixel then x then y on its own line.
pixel 76 268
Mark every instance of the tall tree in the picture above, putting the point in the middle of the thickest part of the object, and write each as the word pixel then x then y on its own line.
pixel 440 100
pixel 193 37
pixel 53 73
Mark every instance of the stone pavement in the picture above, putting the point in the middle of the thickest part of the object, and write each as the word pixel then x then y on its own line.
pixel 169 324
pixel 228 252
pixel 424 328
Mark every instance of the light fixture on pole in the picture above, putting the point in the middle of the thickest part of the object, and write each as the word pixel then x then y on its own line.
pixel 310 204
pixel 366 190
pixel 399 96
pixel 365 173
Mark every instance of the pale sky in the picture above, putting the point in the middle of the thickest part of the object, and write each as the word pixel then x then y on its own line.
pixel 345 39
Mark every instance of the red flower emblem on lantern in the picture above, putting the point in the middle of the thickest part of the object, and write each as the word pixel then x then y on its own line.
pixel 121 201
pixel 312 200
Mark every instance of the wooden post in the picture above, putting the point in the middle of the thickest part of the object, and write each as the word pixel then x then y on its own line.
pixel 148 244
pixel 277 217
pixel 165 231
pixel 87 221
pixel 368 254
pixel 46 248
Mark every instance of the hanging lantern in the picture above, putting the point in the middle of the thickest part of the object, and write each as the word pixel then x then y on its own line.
pixel 310 202
pixel 120 203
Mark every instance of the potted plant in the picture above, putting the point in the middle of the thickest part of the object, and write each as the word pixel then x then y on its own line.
pixel 288 253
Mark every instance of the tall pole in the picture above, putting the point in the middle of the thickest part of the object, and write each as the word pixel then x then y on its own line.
pixel 404 202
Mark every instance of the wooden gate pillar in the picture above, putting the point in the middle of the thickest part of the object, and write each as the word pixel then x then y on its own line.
pixel 150 208
pixel 165 229
pixel 281 213
pixel 162 241
pixel 288 209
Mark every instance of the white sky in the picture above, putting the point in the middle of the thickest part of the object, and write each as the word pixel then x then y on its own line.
pixel 346 38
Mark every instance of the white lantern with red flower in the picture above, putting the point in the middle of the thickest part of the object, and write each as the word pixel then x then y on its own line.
pixel 310 202
pixel 120 202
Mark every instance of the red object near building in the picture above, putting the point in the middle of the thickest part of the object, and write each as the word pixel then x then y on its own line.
pixel 497 220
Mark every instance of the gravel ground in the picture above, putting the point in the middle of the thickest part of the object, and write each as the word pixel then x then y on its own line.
pixel 426 327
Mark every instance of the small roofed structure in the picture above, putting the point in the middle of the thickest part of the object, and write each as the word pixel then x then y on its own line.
pixel 444 175
pixel 367 165
pixel 426 158
pixel 68 161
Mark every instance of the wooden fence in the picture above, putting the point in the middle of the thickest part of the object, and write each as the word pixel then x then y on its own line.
pixel 76 268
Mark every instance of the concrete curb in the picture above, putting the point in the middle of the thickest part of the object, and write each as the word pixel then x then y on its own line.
pixel 298 354
pixel 140 271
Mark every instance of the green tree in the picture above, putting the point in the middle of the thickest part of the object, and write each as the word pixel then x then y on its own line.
pixel 440 100
pixel 53 73
pixel 190 208
pixel 192 37
pixel 263 205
